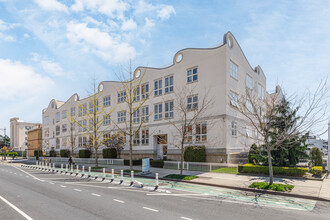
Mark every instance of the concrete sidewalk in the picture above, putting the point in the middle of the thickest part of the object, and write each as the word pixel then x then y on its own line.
pixel 303 188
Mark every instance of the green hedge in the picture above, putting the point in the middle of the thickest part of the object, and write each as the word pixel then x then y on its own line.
pixel 84 153
pixel 317 170
pixel 157 163
pixel 195 154
pixel 109 153
pixel 285 171
pixel 36 153
pixel 10 154
pixel 135 162
pixel 52 153
pixel 64 153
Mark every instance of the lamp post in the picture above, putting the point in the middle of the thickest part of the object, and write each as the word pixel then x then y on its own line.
pixel 328 164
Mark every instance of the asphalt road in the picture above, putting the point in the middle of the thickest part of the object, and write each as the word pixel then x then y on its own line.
pixel 33 194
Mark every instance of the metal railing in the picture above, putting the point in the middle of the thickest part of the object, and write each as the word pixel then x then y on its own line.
pixel 101 161
pixel 196 166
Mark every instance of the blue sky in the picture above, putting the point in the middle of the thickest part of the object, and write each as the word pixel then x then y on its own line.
pixel 52 48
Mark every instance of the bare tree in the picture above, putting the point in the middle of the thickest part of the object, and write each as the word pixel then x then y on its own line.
pixel 114 141
pixel 190 109
pixel 132 96
pixel 260 113
pixel 93 119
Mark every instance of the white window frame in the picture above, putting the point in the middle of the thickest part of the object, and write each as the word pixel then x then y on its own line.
pixel 192 75
pixel 201 136
pixel 158 111
pixel 192 102
pixel 169 85
pixel 64 128
pixel 145 90
pixel 58 130
pixel 64 114
pixel 261 91
pixel 169 109
pixel 121 96
pixel 106 101
pixel 145 114
pixel 121 116
pixel 233 98
pixel 158 87
pixel 106 120
pixel 233 70
pixel 58 117
pixel 234 128
pixel 248 81
pixel 145 136
pixel 137 94
pixel 136 116
pixel 136 138
pixel 73 111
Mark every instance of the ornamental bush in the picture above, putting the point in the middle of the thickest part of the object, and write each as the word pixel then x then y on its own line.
pixel 285 171
pixel 157 163
pixel 64 153
pixel 315 157
pixel 254 154
pixel 317 170
pixel 52 153
pixel 135 162
pixel 84 153
pixel 195 154
pixel 109 153
pixel 36 153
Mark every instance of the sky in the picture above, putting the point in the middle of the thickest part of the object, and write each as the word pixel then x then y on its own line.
pixel 51 49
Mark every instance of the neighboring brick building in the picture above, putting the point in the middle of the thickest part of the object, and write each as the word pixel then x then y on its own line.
pixel 34 140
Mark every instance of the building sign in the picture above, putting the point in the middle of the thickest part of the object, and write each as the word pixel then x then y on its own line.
pixel 145 165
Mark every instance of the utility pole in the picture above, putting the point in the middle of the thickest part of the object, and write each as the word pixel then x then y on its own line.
pixel 328 164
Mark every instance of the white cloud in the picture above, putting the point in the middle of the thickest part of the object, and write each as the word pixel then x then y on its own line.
pixel 52 67
pixel 100 43
pixel 26 35
pixel 149 23
pixel 6 37
pixel 21 81
pixel 165 12
pixel 52 5
pixel 6 26
pixel 129 25
pixel 111 8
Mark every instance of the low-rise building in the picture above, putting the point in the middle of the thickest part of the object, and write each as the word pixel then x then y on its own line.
pixel 18 133
pixel 34 140
pixel 221 73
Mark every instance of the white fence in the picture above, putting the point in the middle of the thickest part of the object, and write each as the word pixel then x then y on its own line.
pixel 81 160
pixel 196 166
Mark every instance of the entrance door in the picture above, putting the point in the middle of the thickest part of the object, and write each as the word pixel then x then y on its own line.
pixel 162 146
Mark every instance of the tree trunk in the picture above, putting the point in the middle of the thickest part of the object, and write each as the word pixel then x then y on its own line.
pixel 270 165
pixel 96 159
pixel 182 154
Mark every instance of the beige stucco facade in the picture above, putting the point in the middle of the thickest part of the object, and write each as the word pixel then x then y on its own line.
pixel 221 72
pixel 18 133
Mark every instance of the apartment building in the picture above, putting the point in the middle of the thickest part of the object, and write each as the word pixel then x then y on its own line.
pixel 220 73
pixel 18 133
pixel 34 140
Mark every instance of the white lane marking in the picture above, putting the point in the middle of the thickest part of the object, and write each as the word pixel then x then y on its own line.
pixel 29 174
pixel 16 209
pixel 51 183
pixel 78 190
pixel 95 194
pixel 173 194
pixel 116 200
pixel 150 209
pixel 63 186
pixel 186 218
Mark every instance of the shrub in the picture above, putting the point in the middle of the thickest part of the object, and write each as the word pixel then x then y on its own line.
pixel 135 162
pixel 317 170
pixel 36 153
pixel 52 153
pixel 109 153
pixel 10 154
pixel 254 154
pixel 180 177
pixel 195 154
pixel 315 157
pixel 84 153
pixel 157 163
pixel 285 171
pixel 274 186
pixel 64 153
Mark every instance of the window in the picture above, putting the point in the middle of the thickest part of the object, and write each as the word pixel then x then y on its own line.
pixel 158 111
pixel 79 111
pixel 192 102
pixel 189 134
pixel 249 106
pixel 121 116
pixel 137 94
pixel 201 132
pixel 234 128
pixel 57 117
pixel 46 120
pixel 106 120
pixel 95 105
pixel 73 111
pixel 63 114
pixel 73 126
pixel 84 109
pixel 28 127
pixel 158 87
pixel 136 138
pixel 82 125
pixel 249 81
pixel 145 136
pixel 233 70
pixel 64 142
pixel 169 109
pixel 57 143
pixel 64 128
pixel 169 84
pixel 106 137
pixel 233 99
pixel 58 130
pixel 145 114
pixel 122 137
pixel 46 132
pixel 121 96
pixel 106 101
pixel 145 90
pixel 136 116
pixel 192 75
pixel 82 141
pixel 261 91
